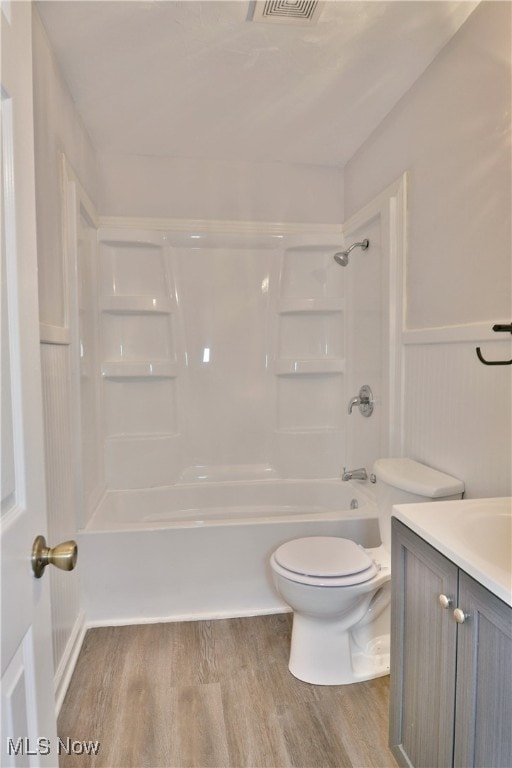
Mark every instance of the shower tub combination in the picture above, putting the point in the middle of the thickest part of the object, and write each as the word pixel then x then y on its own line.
pixel 198 551
pixel 209 345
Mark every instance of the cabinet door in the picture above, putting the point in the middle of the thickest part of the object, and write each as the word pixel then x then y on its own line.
pixel 423 653
pixel 484 679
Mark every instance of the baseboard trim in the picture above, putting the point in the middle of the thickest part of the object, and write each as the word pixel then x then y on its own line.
pixel 128 621
pixel 68 661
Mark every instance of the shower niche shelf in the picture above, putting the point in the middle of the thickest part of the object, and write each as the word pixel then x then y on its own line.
pixel 138 369
pixel 120 304
pixel 309 366
pixel 309 402
pixel 311 339
pixel 309 357
pixel 324 304
pixel 307 431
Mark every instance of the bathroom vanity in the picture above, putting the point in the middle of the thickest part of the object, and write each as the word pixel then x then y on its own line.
pixel 451 637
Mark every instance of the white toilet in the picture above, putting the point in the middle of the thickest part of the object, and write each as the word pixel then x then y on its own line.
pixel 340 592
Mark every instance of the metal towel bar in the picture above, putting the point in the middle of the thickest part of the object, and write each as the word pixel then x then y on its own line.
pixel 498 328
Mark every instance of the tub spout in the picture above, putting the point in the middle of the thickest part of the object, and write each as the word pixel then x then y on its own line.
pixel 354 474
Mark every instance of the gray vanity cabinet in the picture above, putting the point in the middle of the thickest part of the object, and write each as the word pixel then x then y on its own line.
pixel 483 721
pixel 423 653
pixel 451 683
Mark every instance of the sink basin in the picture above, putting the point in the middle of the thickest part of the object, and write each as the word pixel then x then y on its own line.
pixel 476 534
pixel 489 533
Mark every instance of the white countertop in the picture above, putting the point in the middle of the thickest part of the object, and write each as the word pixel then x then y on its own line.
pixel 475 534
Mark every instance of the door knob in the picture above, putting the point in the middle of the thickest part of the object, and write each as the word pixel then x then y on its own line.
pixel 63 556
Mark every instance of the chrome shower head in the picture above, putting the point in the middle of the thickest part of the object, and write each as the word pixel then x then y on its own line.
pixel 341 258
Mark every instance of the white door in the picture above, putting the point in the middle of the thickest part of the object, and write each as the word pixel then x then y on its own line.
pixel 28 736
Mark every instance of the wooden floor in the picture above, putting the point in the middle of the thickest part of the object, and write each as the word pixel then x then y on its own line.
pixel 214 694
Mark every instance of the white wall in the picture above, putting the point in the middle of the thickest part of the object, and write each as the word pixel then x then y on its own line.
pixel 451 131
pixel 58 129
pixel 184 188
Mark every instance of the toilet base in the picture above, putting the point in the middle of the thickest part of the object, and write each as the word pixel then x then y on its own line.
pixel 330 658
pixel 374 660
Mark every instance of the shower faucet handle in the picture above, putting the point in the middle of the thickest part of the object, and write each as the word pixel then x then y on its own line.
pixel 354 401
pixel 364 401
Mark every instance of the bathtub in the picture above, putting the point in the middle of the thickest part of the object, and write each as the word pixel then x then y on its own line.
pixel 201 551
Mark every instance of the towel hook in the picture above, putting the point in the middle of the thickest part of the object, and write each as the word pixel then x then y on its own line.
pixel 498 328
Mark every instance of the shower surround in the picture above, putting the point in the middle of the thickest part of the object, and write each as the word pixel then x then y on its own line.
pixel 216 357
pixel 221 355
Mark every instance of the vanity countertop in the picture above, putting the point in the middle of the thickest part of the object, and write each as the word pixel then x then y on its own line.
pixel 475 534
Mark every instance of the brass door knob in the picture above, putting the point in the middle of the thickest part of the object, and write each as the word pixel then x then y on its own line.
pixel 63 556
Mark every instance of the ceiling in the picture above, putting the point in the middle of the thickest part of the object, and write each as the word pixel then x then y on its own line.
pixel 200 79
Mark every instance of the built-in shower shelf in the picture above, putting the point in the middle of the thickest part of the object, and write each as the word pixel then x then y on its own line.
pixel 309 366
pixel 321 304
pixel 142 437
pixel 136 305
pixel 297 431
pixel 139 369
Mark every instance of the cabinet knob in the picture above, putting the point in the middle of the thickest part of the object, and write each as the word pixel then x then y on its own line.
pixel 459 616
pixel 444 601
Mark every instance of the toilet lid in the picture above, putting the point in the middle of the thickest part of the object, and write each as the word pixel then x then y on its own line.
pixel 323 556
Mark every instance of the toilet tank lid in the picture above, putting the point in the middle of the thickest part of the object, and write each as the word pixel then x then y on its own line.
pixel 413 477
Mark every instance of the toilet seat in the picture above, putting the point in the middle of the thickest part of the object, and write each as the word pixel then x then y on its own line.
pixel 324 561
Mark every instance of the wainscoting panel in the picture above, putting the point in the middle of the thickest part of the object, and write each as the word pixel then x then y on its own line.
pixel 60 490
pixel 457 413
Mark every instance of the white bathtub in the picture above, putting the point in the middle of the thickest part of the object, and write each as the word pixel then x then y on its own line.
pixel 202 550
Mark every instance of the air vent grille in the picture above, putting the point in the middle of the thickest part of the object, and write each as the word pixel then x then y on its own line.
pixel 288 11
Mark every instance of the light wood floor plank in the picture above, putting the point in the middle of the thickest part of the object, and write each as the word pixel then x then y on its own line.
pixel 255 734
pixel 359 715
pixel 197 727
pixel 215 694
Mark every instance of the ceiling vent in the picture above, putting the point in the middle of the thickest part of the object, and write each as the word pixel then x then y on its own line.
pixel 288 11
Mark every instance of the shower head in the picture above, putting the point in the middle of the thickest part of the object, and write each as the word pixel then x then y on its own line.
pixel 341 258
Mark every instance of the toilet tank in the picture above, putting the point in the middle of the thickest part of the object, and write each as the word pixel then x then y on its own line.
pixel 404 481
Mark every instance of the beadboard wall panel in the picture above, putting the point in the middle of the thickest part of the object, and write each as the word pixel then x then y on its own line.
pixel 457 413
pixel 60 491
